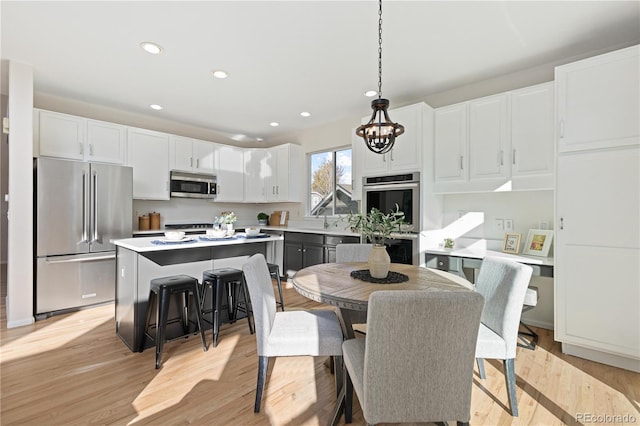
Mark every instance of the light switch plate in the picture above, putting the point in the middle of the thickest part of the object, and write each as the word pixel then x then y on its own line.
pixel 508 225
pixel 499 224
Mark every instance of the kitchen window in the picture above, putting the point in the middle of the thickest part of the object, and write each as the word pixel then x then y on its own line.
pixel 330 184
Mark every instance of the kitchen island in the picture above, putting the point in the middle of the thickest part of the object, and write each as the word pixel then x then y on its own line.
pixel 139 260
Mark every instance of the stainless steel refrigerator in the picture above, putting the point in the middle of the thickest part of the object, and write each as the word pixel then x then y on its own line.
pixel 80 208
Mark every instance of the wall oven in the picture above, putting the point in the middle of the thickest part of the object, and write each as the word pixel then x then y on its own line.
pixel 192 185
pixel 383 193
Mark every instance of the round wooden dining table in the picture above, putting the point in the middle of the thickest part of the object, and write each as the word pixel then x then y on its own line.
pixel 332 283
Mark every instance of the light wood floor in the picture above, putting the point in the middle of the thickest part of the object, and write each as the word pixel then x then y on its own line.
pixel 73 369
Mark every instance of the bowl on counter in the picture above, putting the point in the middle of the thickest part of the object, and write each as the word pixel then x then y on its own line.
pixel 216 233
pixel 174 235
pixel 252 231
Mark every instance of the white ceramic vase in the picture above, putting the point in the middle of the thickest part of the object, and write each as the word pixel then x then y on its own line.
pixel 379 261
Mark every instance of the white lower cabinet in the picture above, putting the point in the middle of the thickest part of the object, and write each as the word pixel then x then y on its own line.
pixel 230 174
pixel 148 154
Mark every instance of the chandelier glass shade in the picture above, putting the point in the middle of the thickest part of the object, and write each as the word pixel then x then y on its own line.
pixel 380 133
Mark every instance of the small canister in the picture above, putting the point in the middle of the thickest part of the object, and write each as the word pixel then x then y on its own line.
pixel 155 220
pixel 143 223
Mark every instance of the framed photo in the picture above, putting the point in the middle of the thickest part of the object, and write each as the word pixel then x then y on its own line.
pixel 538 242
pixel 511 243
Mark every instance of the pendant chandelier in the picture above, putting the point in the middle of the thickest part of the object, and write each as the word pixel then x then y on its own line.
pixel 380 132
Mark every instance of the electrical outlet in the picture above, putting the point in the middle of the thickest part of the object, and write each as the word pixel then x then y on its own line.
pixel 499 224
pixel 508 225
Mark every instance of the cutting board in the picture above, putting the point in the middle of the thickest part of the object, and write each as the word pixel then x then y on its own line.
pixel 279 218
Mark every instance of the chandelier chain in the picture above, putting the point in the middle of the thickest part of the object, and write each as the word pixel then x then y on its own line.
pixel 380 49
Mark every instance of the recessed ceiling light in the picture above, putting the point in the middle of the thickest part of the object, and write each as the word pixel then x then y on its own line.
pixel 220 73
pixel 259 139
pixel 150 47
pixel 305 114
pixel 370 93
pixel 274 124
pixel 156 107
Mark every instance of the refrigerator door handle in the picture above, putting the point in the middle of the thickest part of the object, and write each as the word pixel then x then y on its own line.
pixel 80 258
pixel 94 201
pixel 85 215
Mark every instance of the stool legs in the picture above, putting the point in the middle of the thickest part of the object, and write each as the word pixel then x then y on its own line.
pixel 277 274
pixel 161 323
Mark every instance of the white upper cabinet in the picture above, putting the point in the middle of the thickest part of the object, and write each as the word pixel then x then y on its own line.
pixel 451 161
pixel 148 154
pixel 78 138
pixel 497 143
pixel 532 147
pixel 593 115
pixel 406 155
pixel 191 155
pixel 255 166
pixel 488 137
pixel 230 173
pixel 283 173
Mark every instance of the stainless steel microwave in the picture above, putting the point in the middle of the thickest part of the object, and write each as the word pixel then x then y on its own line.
pixel 192 185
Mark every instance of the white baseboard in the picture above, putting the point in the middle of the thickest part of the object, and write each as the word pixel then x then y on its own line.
pixel 20 323
pixel 537 323
pixel 632 364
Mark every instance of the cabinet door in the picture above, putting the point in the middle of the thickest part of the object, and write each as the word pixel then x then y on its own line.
pixel 406 155
pixel 597 101
pixel 105 142
pixel 282 183
pixel 450 159
pixel 312 254
pixel 292 257
pixel 62 135
pixel 181 153
pixel 597 257
pixel 254 175
pixel 271 174
pixel 204 156
pixel 230 173
pixel 148 154
pixel 488 137
pixel 532 147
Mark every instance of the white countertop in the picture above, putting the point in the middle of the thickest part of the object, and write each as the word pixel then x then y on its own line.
pixel 143 244
pixel 476 253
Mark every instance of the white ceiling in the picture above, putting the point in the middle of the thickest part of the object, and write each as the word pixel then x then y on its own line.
pixel 291 56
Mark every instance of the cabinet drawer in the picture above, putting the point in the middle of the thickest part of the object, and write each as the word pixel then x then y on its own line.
pixel 301 237
pixel 334 240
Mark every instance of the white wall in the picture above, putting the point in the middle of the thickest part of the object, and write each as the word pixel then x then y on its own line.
pixel 4 182
pixel 20 229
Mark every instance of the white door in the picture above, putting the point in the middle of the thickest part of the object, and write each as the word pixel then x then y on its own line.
pixel 106 142
pixel 451 159
pixel 62 135
pixel 181 153
pixel 254 175
pixel 230 173
pixel 406 155
pixel 488 137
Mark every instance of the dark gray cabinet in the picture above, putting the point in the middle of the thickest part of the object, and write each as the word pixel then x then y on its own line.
pixel 302 249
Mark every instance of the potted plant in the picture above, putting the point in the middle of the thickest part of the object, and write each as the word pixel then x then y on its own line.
pixel 262 218
pixel 376 227
pixel 226 218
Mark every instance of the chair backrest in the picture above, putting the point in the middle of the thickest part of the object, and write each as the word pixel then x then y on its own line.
pixel 419 355
pixel 263 300
pixel 503 283
pixel 352 252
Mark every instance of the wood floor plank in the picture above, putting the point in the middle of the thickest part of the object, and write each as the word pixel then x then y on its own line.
pixel 73 370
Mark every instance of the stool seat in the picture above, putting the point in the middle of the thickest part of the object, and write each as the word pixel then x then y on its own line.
pixel 216 279
pixel 160 291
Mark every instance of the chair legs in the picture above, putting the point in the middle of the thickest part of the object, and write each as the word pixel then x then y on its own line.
pixel 510 379
pixel 345 399
pixel 524 343
pixel 263 365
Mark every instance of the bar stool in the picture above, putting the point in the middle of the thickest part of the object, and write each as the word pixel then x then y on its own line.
pixel 216 279
pixel 530 302
pixel 160 292
pixel 274 271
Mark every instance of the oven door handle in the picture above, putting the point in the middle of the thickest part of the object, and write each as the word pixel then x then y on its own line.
pixel 391 186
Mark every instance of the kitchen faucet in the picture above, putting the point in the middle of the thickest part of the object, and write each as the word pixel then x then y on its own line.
pixel 324 215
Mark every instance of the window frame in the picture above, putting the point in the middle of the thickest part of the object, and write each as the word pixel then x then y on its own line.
pixel 333 152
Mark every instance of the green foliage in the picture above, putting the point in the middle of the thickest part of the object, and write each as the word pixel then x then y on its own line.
pixel 262 216
pixel 377 226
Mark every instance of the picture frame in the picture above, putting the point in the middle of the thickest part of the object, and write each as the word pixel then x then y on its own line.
pixel 538 242
pixel 511 243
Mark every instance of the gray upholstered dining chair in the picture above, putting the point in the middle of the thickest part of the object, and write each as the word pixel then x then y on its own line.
pixel 416 363
pixel 289 333
pixel 353 252
pixel 503 283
